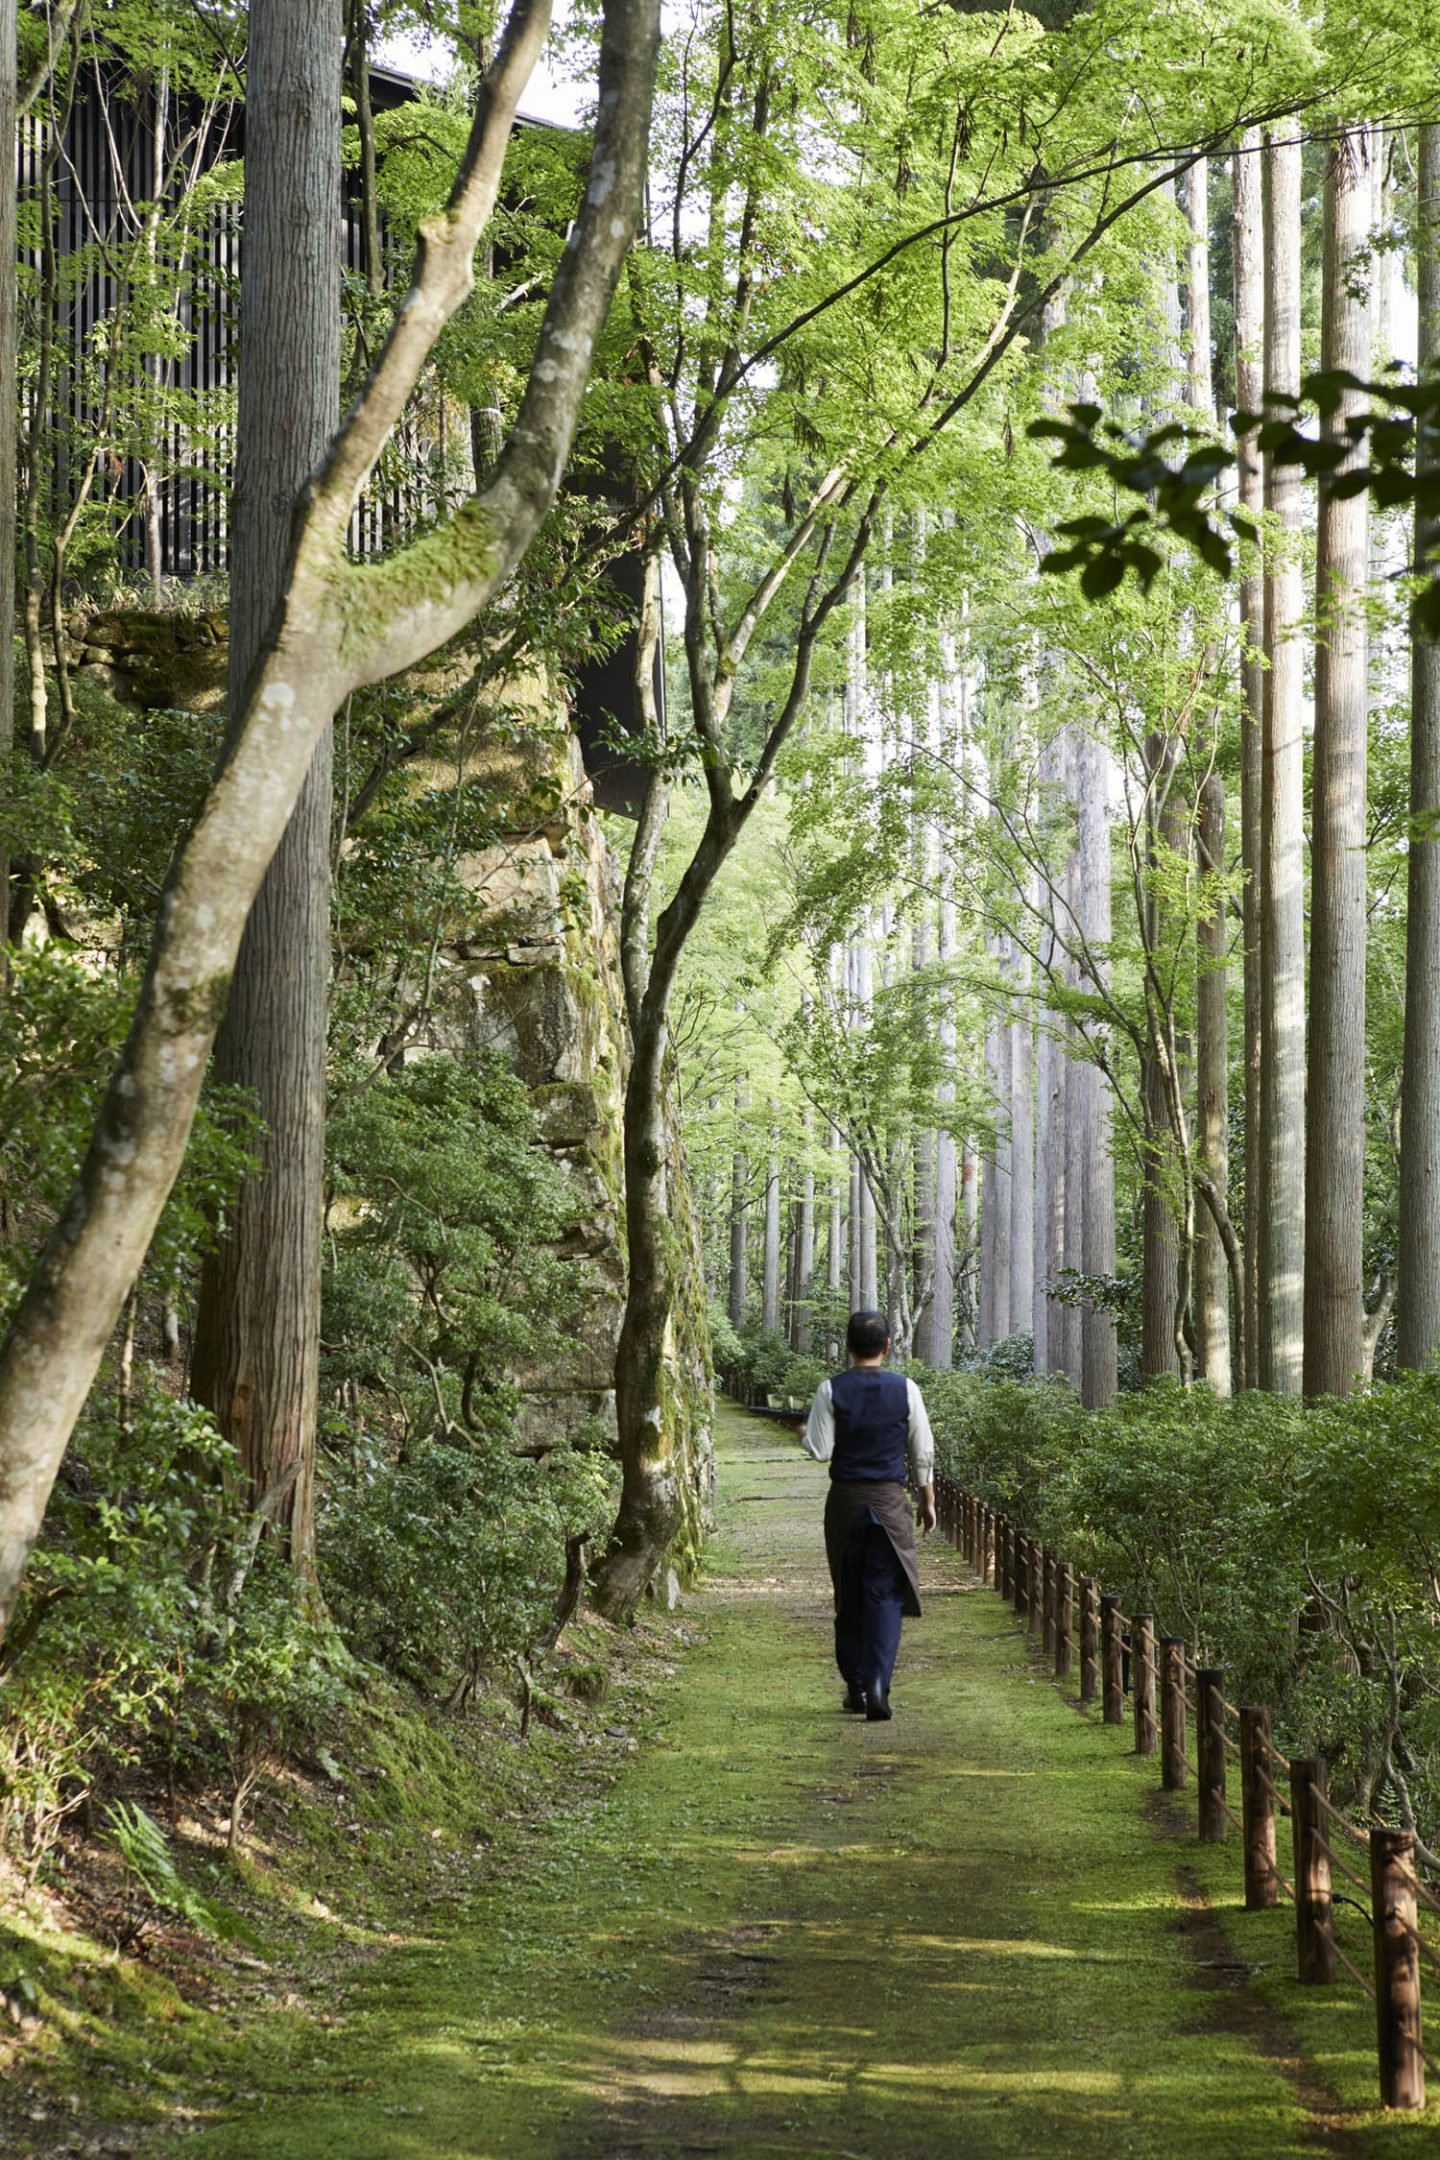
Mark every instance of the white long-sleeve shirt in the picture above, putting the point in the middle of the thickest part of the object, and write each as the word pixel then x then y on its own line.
pixel 818 1438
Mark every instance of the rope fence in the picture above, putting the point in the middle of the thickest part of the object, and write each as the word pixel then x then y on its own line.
pixel 1181 1713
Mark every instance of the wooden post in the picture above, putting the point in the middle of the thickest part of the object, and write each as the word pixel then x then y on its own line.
pixel 1112 1664
pixel 1142 1681
pixel 1089 1638
pixel 1035 1616
pixel 987 1557
pixel 1397 1968
pixel 1314 1944
pixel 1047 1603
pixel 1064 1619
pixel 1002 1551
pixel 1021 1584
pixel 1257 1774
pixel 1210 1744
pixel 1173 1768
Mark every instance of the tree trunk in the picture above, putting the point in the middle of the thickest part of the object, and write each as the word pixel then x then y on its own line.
pixel 1160 1271
pixel 1050 1079
pixel 1418 1315
pixel 1022 1160
pixel 738 1302
pixel 770 1258
pixel 1249 302
pixel 1049 1192
pixel 1335 1079
pixel 835 1244
pixel 1282 891
pixel 969 1277
pixel 257 1339
pixel 940 1340
pixel 995 1195
pixel 1212 929
pixel 801 1325
pixel 9 478
pixel 1098 1376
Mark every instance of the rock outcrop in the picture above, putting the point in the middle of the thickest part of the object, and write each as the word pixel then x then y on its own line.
pixel 530 968
pixel 536 976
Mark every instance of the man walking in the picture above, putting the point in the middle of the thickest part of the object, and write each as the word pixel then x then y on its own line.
pixel 868 1424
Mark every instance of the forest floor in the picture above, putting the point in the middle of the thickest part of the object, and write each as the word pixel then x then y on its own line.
pixel 778 1930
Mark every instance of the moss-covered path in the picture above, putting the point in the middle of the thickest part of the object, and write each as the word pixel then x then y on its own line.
pixel 785 1931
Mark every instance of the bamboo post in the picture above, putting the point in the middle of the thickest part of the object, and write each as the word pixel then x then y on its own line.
pixel 1112 1661
pixel 1089 1638
pixel 1257 1772
pixel 1064 1619
pixel 1173 1768
pixel 1142 1681
pixel 1397 1968
pixel 1047 1603
pixel 1210 1746
pixel 1314 1943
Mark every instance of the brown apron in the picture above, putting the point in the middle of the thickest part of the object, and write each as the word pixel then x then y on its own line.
pixel 845 1509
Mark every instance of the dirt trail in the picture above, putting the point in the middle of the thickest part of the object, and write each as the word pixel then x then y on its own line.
pixel 789 1932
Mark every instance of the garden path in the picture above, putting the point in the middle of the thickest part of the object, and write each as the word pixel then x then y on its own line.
pixel 972 1932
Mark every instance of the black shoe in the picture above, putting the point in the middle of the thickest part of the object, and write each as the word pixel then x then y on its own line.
pixel 877 1709
pixel 855 1701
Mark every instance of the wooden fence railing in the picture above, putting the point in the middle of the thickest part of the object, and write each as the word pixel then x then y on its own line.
pixel 1118 1654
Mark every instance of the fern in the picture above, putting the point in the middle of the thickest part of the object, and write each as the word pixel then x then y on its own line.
pixel 145 1851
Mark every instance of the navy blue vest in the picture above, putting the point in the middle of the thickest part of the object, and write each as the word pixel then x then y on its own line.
pixel 872 1419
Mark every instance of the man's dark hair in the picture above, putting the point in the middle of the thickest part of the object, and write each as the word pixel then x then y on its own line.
pixel 867 1334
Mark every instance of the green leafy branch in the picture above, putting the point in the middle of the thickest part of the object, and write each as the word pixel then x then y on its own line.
pixel 1390 449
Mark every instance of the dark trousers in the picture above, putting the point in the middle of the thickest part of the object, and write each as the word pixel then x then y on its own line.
pixel 869 1602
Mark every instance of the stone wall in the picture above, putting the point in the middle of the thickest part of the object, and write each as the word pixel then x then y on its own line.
pixel 535 974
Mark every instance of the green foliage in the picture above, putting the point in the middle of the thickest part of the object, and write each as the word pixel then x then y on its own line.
pixel 442 1546
pixel 1388 449
pixel 728 1348
pixel 151 1631
pixel 442 1559
pixel 61 1028
pixel 1295 1546
pixel 438 1266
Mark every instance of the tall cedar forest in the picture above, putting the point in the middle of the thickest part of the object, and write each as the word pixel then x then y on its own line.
pixel 820 690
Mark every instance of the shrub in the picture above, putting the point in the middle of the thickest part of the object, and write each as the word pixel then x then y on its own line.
pixel 444 1559
pixel 1297 1546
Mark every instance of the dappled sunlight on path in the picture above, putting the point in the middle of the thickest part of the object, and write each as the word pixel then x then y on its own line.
pixel 788 1931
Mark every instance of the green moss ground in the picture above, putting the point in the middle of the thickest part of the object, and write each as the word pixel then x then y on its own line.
pixel 972 1932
